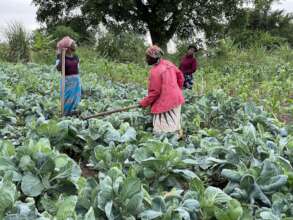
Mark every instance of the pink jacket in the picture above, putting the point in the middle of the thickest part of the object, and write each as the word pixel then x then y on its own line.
pixel 165 88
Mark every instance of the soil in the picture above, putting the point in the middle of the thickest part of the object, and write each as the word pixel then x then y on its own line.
pixel 87 171
pixel 286 118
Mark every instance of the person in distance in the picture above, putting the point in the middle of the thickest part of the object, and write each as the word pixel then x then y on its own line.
pixel 188 66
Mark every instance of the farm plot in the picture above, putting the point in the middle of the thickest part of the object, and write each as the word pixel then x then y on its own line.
pixel 234 161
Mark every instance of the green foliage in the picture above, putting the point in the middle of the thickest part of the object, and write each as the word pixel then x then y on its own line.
pixel 8 196
pixel 124 48
pixel 3 52
pixel 43 48
pixel 162 18
pixel 234 161
pixel 61 31
pixel 86 35
pixel 256 39
pixel 66 208
pixel 18 41
pixel 119 196
pixel 261 24
pixel 173 205
pixel 216 203
pixel 248 73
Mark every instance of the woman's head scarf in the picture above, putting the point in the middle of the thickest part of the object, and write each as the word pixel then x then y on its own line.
pixel 154 52
pixel 65 43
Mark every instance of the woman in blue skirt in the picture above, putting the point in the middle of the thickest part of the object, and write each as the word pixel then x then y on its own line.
pixel 72 91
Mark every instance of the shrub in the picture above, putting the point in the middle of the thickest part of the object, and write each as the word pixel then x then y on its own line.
pixel 43 48
pixel 124 47
pixel 3 51
pixel 250 39
pixel 18 43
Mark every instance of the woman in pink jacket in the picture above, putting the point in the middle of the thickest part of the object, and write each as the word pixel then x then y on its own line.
pixel 164 92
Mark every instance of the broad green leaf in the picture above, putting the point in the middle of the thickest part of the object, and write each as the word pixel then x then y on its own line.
pixel 61 160
pixel 50 129
pixel 130 188
pixel 8 195
pixel 129 135
pixel 108 210
pixel 47 166
pixel 31 185
pixel 117 184
pixel 135 204
pixel 26 163
pixel 232 175
pixel 23 211
pixel 233 211
pixel 191 205
pixel 274 183
pixel 249 132
pixel 150 214
pixel 43 146
pixel 105 193
pixel 141 154
pixel 66 208
pixel 90 215
pixel 268 216
pixel 49 204
pixel 115 173
pixel 112 135
pixel 247 183
pixel 67 168
pixel 6 164
pixel 189 175
pixel 6 149
pixel 198 186
pixel 158 204
pixel 66 187
pixel 215 196
pixel 183 213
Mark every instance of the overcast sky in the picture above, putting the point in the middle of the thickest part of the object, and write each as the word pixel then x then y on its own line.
pixel 23 11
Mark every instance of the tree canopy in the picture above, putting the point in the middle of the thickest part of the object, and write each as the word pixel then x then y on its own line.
pixel 262 19
pixel 162 18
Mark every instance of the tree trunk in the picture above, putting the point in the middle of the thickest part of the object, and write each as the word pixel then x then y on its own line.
pixel 159 39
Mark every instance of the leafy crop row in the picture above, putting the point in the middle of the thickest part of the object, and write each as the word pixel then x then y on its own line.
pixel 234 162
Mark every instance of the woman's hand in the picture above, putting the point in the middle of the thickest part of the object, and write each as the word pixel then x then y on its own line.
pixel 139 104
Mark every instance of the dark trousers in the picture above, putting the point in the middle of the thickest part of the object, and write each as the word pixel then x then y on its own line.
pixel 188 81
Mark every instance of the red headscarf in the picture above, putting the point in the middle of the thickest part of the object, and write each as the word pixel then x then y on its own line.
pixel 65 43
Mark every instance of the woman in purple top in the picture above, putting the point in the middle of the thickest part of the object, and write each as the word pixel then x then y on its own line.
pixel 72 92
pixel 188 66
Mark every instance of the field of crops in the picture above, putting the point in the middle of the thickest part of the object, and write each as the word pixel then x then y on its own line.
pixel 255 75
pixel 234 162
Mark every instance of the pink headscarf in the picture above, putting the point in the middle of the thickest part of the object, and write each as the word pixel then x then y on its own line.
pixel 65 43
pixel 154 52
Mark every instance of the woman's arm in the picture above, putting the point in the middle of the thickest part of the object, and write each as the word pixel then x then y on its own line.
pixel 154 90
pixel 180 78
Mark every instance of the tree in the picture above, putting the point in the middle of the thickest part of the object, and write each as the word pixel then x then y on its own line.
pixel 261 20
pixel 162 18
